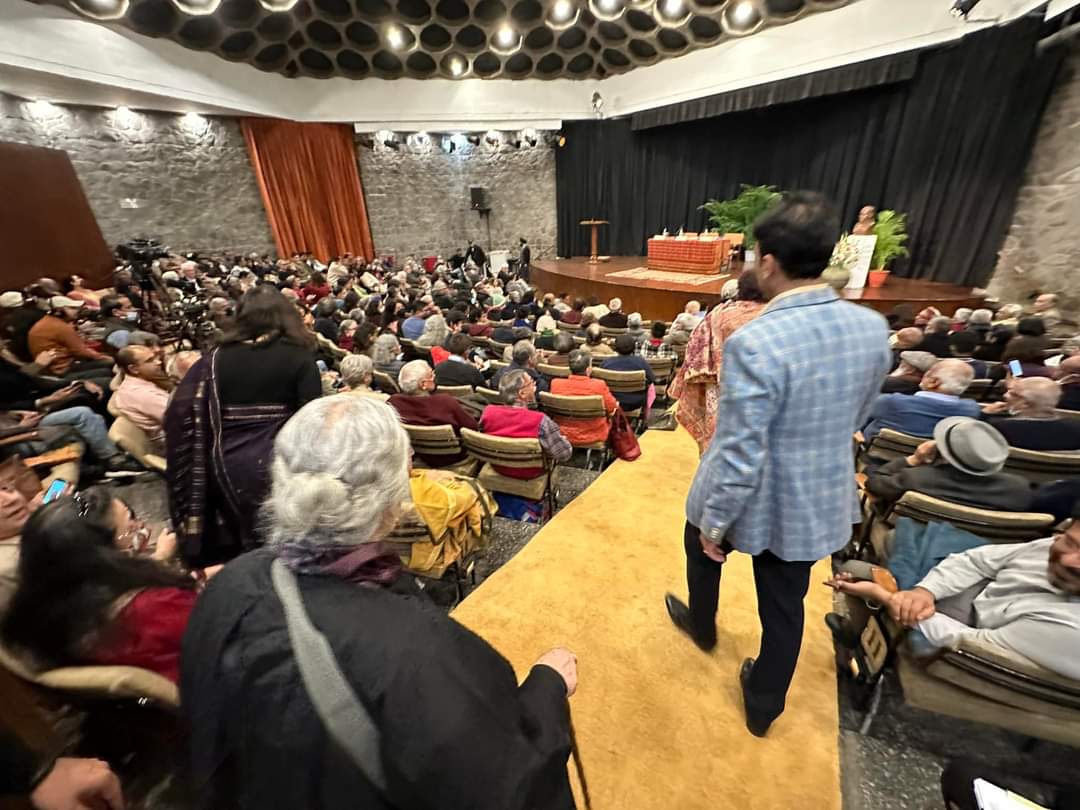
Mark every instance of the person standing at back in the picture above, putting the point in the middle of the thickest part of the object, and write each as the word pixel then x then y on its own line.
pixel 778 479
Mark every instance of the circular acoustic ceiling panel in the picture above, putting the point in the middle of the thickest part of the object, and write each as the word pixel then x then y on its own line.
pixel 450 39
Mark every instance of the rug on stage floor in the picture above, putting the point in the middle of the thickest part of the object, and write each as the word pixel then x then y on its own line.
pixel 645 274
pixel 659 723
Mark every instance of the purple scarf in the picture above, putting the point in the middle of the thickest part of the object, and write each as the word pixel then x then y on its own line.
pixel 371 563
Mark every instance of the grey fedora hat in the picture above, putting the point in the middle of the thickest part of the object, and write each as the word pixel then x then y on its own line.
pixel 970 445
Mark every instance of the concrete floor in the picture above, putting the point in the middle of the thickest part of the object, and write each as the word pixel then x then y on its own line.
pixel 894 763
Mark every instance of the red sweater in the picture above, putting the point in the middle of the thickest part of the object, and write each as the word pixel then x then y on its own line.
pixel 513 423
pixel 147 632
pixel 434 409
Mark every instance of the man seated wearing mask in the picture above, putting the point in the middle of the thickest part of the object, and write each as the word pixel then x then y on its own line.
pixel 117 315
pixel 1027 419
pixel 962 464
pixel 1029 602
pixel 939 398
pixel 73 359
pixel 143 395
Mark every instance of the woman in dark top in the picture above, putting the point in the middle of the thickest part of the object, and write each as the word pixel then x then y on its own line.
pixel 221 423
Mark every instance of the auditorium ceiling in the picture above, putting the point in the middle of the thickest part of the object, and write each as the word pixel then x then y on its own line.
pixel 453 39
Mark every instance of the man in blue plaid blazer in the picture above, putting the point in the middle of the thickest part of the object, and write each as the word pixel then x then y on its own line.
pixel 778 480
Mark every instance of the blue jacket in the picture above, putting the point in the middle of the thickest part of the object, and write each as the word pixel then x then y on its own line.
pixel 797 382
pixel 917 414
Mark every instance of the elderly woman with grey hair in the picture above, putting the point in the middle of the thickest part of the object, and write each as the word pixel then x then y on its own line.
pixel 356 373
pixel 386 355
pixel 435 332
pixel 440 720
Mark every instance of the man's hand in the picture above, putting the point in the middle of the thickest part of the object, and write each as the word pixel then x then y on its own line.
pixel 712 550
pixel 93 388
pixel 996 407
pixel 59 395
pixel 46 357
pixel 925 453
pixel 911 607
pixel 29 419
pixel 565 663
pixel 79 784
pixel 165 545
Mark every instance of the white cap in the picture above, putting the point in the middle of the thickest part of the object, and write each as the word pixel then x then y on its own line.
pixel 11 299
pixel 62 302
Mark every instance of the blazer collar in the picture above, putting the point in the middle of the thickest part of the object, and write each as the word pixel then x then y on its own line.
pixel 803 297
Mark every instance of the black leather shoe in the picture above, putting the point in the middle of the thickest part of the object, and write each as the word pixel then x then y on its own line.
pixel 755 727
pixel 842 631
pixel 680 617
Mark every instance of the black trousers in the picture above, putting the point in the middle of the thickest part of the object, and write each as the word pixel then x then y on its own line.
pixel 781 587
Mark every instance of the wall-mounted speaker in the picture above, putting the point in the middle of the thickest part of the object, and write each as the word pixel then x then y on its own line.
pixel 479 199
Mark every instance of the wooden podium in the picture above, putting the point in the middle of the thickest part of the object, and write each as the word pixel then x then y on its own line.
pixel 594 251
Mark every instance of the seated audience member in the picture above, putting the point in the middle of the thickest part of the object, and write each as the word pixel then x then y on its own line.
pixel 325 323
pixel 347 334
pixel 418 405
pixel 905 340
pixel 82 598
pixel 962 464
pixel 926 314
pixel 1068 377
pixel 72 358
pixel 595 309
pixel 386 355
pixel 657 345
pixel 516 420
pixel 963 345
pixel 1029 351
pixel 635 329
pixel 573 315
pixel 579 384
pixel 681 328
pixel 339 478
pixel 17 317
pixel 23 387
pixel 594 342
pixel 74 287
pixel 117 315
pixel 907 377
pixel 180 364
pixel 143 396
pixel 356 374
pixel 521 319
pixel 1008 315
pixel 435 332
pixel 981 321
pixel 693 309
pixel 315 290
pixel 479 325
pixel 413 325
pixel 994 342
pixel 626 360
pixel 1046 309
pixel 615 318
pixel 960 318
pixel 503 333
pixel 938 399
pixel 1027 603
pixel 524 357
pixel 936 337
pixel 563 344
pixel 1027 419
pixel 546 329
pixel 458 370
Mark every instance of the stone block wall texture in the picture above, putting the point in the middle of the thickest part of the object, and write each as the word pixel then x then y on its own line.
pixel 418 197
pixel 190 178
pixel 1041 252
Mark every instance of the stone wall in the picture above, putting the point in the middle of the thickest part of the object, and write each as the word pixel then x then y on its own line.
pixel 1042 250
pixel 183 180
pixel 418 196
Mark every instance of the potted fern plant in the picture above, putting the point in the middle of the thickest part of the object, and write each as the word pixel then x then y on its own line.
pixel 738 215
pixel 891 232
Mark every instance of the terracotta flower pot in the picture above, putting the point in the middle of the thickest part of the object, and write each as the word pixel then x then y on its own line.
pixel 877 278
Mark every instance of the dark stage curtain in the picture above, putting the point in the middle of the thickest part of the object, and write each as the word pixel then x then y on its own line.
pixel 898 67
pixel 948 148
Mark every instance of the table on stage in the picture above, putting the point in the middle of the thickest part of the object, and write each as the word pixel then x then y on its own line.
pixel 688 253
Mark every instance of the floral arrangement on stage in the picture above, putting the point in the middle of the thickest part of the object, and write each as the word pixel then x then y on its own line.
pixel 738 215
pixel 844 255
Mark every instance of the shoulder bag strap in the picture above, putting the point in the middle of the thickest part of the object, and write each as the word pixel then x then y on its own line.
pixel 343 715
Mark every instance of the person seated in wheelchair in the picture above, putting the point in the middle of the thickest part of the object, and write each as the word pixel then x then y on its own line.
pixel 1023 597
pixel 961 464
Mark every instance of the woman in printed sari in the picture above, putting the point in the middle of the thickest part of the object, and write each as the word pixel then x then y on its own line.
pixel 697 385
pixel 221 424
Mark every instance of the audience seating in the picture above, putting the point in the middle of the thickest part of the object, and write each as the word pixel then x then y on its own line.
pixel 572 407
pixel 480 340
pixel 384 382
pixel 553 371
pixel 438 440
pixel 982 389
pixel 1062 413
pixel 624 382
pixel 663 368
pixel 133 440
pixel 499 349
pixel 567 327
pixel 490 397
pixel 455 390
pixel 889 444
pixel 515 453
pixel 612 331
pixel 1040 467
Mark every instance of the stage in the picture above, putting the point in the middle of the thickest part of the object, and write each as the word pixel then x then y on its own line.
pixel 662 295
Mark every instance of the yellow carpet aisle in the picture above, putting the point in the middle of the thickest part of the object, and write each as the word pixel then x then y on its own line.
pixel 659 723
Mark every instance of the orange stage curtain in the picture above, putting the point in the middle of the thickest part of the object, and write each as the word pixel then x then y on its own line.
pixel 310 186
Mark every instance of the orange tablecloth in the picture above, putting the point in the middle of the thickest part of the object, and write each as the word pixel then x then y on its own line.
pixel 687 255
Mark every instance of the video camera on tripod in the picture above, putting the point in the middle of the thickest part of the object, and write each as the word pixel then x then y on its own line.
pixel 140 255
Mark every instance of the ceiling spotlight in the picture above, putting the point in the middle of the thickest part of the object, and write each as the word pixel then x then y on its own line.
pixel 101 9
pixel 278 5
pixel 42 108
pixel 395 38
pixel 672 9
pixel 457 66
pixel 743 13
pixel 607 10
pixel 961 8
pixel 506 37
pixel 608 5
pixel 197 7
pixel 560 140
pixel 562 11
pixel 193 121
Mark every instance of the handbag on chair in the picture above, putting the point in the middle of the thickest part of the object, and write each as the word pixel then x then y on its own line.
pixel 621 437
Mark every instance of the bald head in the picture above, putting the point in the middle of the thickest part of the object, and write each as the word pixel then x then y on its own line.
pixel 908 338
pixel 1033 396
pixel 948 377
pixel 1070 365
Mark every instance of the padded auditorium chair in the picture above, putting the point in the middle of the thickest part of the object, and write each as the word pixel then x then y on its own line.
pixel 455 390
pixel 578 407
pixel 489 396
pixel 663 369
pixel 887 445
pixel 625 382
pixel 1040 467
pixel 1062 413
pixel 984 390
pixel 551 372
pixel 439 440
pixel 501 451
pixel 384 382
pixel 133 440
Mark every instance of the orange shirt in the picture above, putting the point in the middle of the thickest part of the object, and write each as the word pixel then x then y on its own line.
pixel 584 431
pixel 53 333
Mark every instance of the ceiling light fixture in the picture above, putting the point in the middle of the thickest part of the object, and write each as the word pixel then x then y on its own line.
pixel 493 138
pixel 42 108
pixel 101 9
pixel 193 120
pixel 506 37
pixel 278 5
pixel 457 66
pixel 197 8
pixel 395 38
pixel 672 9
pixel 608 10
pixel 562 11
pixel 743 13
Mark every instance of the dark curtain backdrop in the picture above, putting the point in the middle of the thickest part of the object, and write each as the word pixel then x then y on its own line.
pixel 947 147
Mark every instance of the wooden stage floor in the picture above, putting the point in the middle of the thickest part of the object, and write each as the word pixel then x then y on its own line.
pixel 663 296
